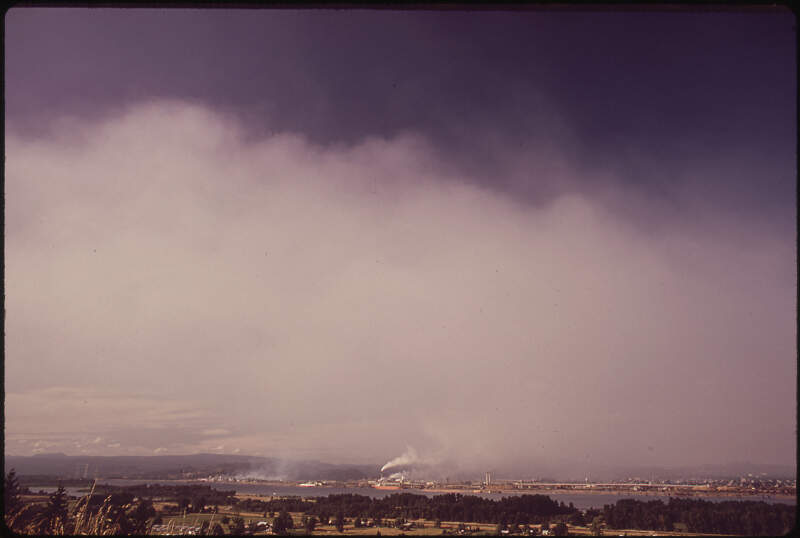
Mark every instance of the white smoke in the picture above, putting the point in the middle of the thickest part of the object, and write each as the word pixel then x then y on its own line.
pixel 433 463
pixel 409 461
pixel 409 458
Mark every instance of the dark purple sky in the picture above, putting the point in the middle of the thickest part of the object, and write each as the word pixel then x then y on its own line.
pixel 645 95
pixel 355 227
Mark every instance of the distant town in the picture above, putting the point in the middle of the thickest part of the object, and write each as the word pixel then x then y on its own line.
pixel 745 485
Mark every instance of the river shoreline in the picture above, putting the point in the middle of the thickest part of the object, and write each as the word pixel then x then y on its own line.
pixel 596 491
pixel 581 498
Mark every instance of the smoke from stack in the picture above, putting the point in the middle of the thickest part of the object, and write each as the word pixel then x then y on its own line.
pixel 411 463
pixel 406 460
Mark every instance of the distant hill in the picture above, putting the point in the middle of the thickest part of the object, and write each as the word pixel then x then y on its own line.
pixel 197 465
pixel 176 466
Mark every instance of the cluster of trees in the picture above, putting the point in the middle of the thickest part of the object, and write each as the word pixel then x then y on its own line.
pixel 280 524
pixel 522 509
pixel 698 516
pixel 283 522
pixel 169 492
pixel 291 504
pixel 309 524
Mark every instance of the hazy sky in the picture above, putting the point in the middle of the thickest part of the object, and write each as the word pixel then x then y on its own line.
pixel 503 239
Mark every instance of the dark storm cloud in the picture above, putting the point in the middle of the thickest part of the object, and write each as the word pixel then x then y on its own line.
pixel 645 97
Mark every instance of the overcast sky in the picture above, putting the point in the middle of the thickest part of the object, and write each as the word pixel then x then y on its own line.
pixel 522 239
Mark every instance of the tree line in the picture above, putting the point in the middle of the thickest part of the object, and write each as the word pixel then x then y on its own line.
pixel 523 509
pixel 751 518
pixel 195 493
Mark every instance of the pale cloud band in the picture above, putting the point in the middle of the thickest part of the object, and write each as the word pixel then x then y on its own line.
pixel 174 287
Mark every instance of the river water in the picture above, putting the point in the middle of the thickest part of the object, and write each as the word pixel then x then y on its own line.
pixel 579 500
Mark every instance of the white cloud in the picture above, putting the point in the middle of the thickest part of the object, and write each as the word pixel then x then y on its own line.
pixel 167 279
pixel 216 431
pixel 89 410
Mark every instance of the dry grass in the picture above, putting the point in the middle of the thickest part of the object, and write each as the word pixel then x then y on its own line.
pixel 80 521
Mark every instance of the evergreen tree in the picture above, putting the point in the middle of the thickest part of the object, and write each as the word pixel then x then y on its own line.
pixel 55 514
pixel 310 524
pixel 140 514
pixel 560 529
pixel 11 494
pixel 198 504
pixel 288 522
pixel 596 529
pixel 238 526
pixel 278 525
pixel 577 518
